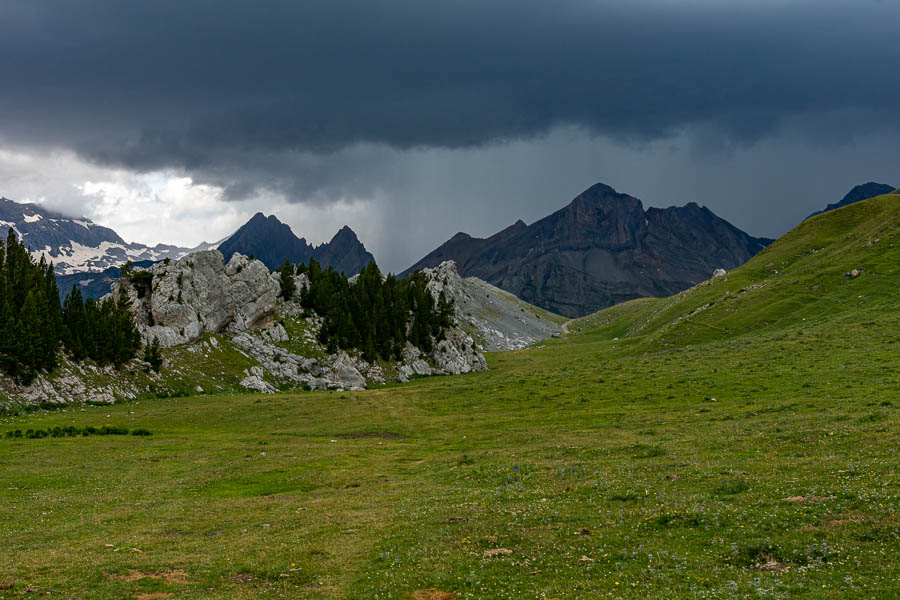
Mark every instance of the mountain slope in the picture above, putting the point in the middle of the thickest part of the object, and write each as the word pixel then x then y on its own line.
pixel 271 241
pixel 843 264
pixel 93 284
pixel 78 245
pixel 496 319
pixel 601 249
pixel 858 194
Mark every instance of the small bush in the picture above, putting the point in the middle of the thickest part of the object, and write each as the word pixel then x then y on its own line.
pixel 623 497
pixel 464 460
pixel 71 431
pixel 731 486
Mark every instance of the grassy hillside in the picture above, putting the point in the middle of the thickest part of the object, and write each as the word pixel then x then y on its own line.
pixel 795 283
pixel 735 452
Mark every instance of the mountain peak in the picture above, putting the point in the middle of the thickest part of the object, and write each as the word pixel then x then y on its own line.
pixel 858 194
pixel 272 241
pixel 600 249
pixel 601 189
pixel 344 235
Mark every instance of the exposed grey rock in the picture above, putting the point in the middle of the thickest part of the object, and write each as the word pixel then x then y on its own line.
pixel 74 383
pixel 719 273
pixel 346 374
pixel 457 354
pixel 254 381
pixel 497 319
pixel 199 294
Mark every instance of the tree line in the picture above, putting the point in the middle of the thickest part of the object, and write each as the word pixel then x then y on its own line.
pixel 34 325
pixel 376 315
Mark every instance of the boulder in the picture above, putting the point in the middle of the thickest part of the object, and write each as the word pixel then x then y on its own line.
pixel 345 374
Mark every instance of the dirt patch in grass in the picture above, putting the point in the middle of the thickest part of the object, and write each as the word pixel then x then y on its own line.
pixel 803 499
pixel 433 595
pixel 154 596
pixel 456 520
pixel 379 436
pixel 244 578
pixel 177 576
pixel 770 565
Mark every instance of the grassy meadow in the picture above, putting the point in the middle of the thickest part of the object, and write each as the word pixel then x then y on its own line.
pixel 738 440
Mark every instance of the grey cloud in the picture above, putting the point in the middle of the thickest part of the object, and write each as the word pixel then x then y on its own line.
pixel 190 84
pixel 465 115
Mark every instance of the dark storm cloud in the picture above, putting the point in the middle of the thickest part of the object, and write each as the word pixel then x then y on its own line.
pixel 217 86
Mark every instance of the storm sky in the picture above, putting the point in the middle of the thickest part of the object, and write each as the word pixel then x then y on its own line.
pixel 410 120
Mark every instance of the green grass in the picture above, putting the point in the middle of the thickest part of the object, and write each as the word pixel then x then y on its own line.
pixel 725 454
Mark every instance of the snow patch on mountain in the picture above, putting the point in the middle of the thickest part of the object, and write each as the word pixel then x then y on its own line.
pixel 78 245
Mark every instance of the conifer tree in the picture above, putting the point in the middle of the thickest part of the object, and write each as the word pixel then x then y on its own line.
pixel 288 287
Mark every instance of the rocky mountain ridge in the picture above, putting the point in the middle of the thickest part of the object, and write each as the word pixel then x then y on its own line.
pixel 223 327
pixel 271 241
pixel 181 302
pixel 601 249
pixel 79 245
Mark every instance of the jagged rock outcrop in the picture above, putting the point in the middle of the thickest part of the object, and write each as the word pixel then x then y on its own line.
pixel 200 294
pixel 214 309
pixel 76 383
pixel 601 249
pixel 495 318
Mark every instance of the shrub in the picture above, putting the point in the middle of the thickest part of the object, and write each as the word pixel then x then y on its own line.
pixel 731 487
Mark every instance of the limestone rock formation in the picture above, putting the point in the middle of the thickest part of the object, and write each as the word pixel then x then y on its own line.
pixel 200 294
pixel 495 318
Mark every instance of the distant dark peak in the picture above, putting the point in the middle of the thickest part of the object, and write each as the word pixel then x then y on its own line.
pixel 462 235
pixel 272 241
pixel 345 234
pixel 865 191
pixel 858 194
pixel 515 227
pixel 601 194
pixel 600 249
pixel 601 189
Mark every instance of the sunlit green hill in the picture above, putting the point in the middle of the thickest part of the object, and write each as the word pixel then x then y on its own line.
pixel 838 266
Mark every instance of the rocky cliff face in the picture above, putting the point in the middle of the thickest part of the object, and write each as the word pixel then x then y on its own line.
pixel 601 249
pixel 271 241
pixel 200 294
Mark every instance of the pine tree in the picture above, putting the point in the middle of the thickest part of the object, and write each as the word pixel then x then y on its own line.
pixel 288 287
pixel 153 355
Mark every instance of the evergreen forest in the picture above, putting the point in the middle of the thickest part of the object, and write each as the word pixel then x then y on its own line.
pixel 35 326
pixel 374 314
